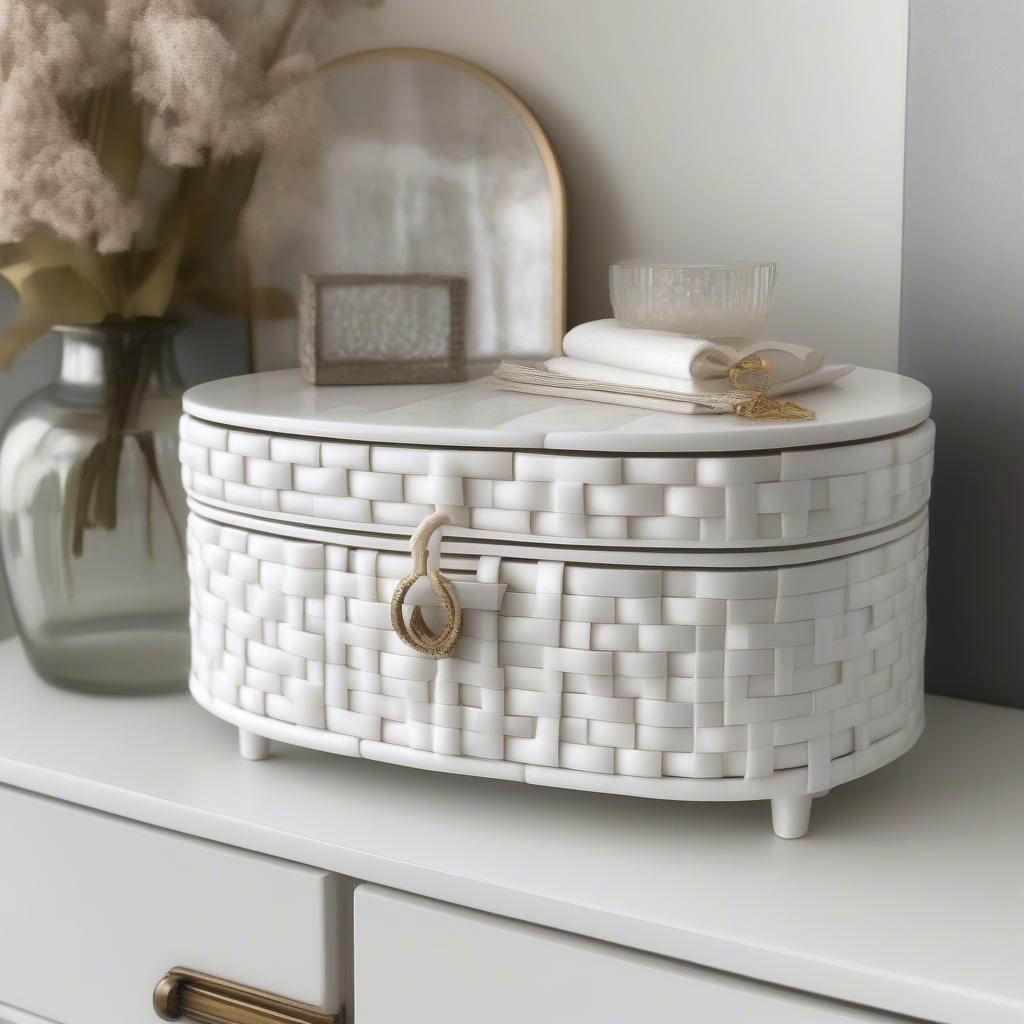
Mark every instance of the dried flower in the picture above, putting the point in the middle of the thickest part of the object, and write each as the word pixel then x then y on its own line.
pixel 50 59
pixel 92 92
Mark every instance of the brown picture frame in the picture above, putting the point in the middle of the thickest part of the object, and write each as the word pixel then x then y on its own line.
pixel 319 370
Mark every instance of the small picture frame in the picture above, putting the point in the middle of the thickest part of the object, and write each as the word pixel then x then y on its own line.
pixel 382 328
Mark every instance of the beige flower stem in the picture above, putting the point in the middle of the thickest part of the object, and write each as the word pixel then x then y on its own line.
pixel 129 368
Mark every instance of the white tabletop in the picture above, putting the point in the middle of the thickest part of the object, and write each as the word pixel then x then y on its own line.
pixel 867 403
pixel 907 894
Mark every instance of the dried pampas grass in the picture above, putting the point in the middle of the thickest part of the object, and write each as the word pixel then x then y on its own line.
pixel 102 99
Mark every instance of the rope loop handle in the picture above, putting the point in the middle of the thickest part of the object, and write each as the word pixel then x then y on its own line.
pixel 417 634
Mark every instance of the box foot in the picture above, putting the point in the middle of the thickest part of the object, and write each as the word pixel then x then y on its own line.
pixel 253 747
pixel 791 816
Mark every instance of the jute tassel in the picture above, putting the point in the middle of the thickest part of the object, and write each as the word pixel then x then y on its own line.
pixel 752 375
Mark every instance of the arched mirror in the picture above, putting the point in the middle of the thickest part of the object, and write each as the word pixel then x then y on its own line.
pixel 433 167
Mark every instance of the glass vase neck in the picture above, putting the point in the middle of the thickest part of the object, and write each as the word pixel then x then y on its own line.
pixel 92 355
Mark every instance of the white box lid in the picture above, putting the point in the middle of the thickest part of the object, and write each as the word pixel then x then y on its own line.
pixel 866 404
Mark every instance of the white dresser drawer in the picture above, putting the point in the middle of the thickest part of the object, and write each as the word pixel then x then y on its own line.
pixel 419 960
pixel 94 909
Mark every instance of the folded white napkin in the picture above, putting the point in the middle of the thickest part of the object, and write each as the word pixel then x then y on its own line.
pixel 539 379
pixel 665 372
pixel 582 370
pixel 668 355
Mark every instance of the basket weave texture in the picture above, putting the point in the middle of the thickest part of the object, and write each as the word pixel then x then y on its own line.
pixel 649 674
pixel 796 495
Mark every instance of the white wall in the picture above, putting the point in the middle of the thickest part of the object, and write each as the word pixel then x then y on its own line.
pixel 708 129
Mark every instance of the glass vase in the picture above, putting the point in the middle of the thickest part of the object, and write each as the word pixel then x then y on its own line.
pixel 92 513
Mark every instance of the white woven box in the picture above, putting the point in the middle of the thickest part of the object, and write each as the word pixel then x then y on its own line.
pixel 650 606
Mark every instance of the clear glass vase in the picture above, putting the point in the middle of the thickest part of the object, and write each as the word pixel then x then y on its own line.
pixel 92 513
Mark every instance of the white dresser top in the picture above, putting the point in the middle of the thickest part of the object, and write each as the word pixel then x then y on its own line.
pixel 907 894
pixel 867 403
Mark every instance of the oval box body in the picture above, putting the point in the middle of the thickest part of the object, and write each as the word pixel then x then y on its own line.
pixel 678 607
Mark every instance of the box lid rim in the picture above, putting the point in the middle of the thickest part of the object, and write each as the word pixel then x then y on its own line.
pixel 472 414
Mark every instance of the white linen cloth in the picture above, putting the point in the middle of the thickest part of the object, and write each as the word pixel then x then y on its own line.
pixel 582 370
pixel 539 379
pixel 669 355
pixel 661 371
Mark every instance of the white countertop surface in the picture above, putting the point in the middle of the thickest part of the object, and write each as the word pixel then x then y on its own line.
pixel 908 893
pixel 867 403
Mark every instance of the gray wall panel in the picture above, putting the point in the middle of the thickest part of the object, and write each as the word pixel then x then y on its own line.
pixel 962 330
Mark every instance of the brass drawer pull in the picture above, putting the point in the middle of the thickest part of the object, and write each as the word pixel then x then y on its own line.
pixel 185 993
